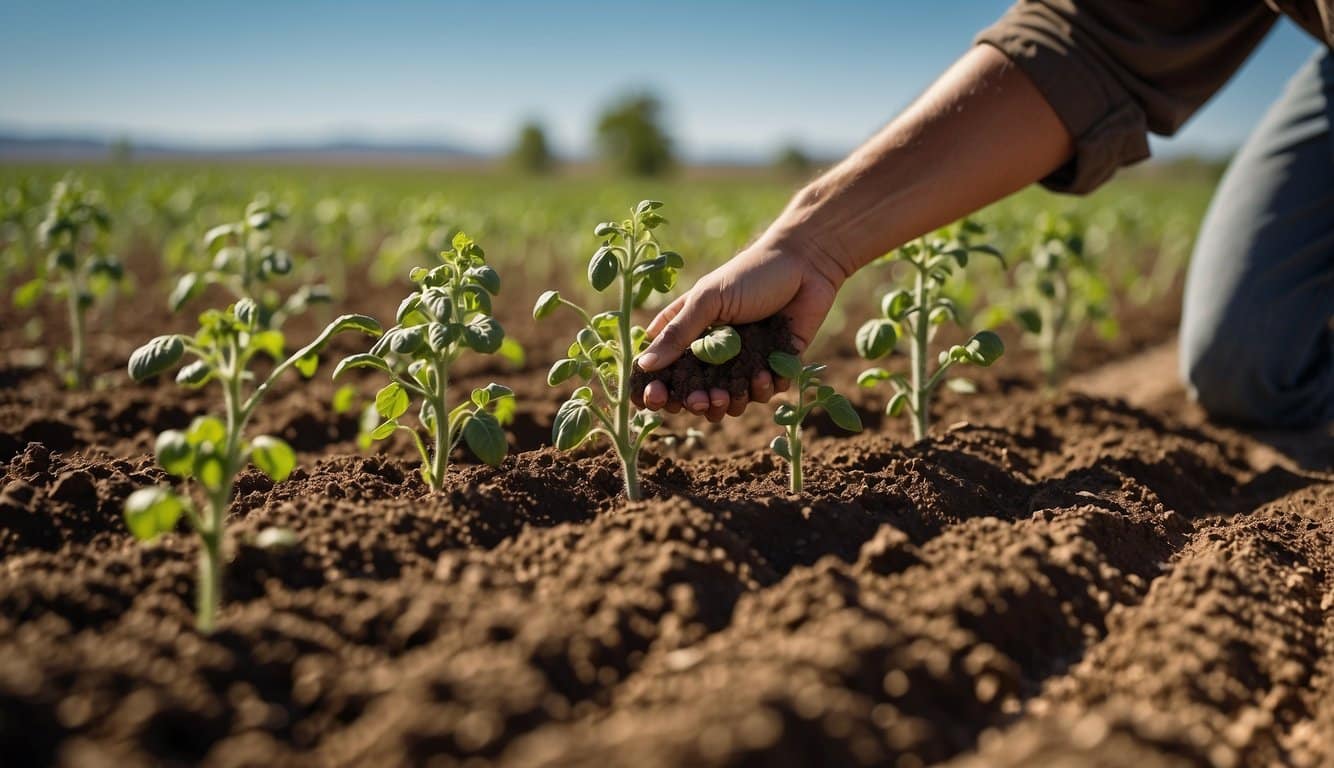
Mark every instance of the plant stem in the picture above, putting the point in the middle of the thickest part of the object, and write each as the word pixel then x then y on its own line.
pixel 921 327
pixel 625 443
pixel 76 330
pixel 440 459
pixel 794 480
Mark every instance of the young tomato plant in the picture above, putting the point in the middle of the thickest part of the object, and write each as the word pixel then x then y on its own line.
pixel 246 262
pixel 915 314
pixel 78 268
pixel 1060 292
pixel 811 394
pixel 605 349
pixel 213 450
pixel 447 314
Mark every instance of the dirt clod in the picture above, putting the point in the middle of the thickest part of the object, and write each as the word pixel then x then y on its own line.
pixel 690 374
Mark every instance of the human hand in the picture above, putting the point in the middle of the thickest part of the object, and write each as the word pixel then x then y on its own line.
pixel 779 274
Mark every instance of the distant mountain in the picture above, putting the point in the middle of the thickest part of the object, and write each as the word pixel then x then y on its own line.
pixel 72 148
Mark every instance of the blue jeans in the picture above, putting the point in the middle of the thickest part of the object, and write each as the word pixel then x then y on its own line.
pixel 1257 337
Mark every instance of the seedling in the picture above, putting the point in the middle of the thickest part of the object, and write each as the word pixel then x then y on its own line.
pixel 811 394
pixel 213 450
pixel 447 314
pixel 916 314
pixel 246 262
pixel 1060 293
pixel 78 267
pixel 606 347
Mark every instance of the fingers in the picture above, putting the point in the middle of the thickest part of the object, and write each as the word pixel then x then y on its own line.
pixel 655 395
pixel 738 405
pixel 685 323
pixel 665 316
pixel 697 402
pixel 761 387
pixel 719 400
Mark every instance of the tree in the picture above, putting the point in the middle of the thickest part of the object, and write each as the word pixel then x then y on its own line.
pixel 631 137
pixel 531 153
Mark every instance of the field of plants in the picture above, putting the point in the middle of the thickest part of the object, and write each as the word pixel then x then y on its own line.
pixel 343 467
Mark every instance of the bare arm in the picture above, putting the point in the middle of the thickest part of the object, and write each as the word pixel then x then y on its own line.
pixel 979 133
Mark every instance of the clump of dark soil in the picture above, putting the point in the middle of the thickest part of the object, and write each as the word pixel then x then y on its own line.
pixel 690 374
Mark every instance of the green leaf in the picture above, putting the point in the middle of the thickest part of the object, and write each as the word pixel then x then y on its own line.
pixel 786 365
pixel 360 360
pixel 483 334
pixel 780 446
pixel 418 274
pixel 897 403
pixel 343 399
pixel 602 268
pixel 512 352
pixel 872 376
pixel 562 371
pixel 174 453
pixel 406 307
pixel 606 229
pixel 151 512
pixel 27 294
pixel 720 344
pixel 896 304
pixel 1029 319
pixel 574 420
pixel 206 431
pixel 391 401
pixel 485 438
pixel 962 386
pixel 786 415
pixel 186 288
pixel 486 277
pixel 406 341
pixel 842 413
pixel 268 342
pixel 307 364
pixel 647 205
pixel 217 234
pixel 247 312
pixel 274 457
pixel 876 338
pixel 438 302
pixel 194 375
pixel 384 430
pixel 985 348
pixel 440 335
pixel 546 304
pixel 157 356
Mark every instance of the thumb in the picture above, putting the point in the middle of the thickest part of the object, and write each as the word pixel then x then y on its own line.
pixel 695 315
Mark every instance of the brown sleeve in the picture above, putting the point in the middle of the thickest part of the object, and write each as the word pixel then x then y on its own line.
pixel 1114 70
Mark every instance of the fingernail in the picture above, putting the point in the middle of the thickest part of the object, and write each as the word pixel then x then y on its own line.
pixel 648 360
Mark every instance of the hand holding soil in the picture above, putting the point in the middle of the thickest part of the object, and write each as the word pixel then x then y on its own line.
pixel 739 380
pixel 783 275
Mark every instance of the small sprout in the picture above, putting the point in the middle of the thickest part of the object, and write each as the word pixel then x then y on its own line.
pixel 212 451
pixel 720 344
pixel 73 232
pixel 1059 292
pixel 605 349
pixel 811 394
pixel 916 314
pixel 245 261
pixel 446 315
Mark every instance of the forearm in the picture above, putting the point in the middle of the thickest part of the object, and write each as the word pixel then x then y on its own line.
pixel 979 133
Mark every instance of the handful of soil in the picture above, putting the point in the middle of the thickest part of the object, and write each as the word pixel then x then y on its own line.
pixel 690 374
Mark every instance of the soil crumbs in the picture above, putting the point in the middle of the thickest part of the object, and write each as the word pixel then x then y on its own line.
pixel 1077 581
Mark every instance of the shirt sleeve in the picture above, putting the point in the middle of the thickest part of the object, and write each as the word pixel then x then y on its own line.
pixel 1115 70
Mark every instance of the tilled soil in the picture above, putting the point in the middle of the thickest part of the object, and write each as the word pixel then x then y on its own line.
pixel 1064 579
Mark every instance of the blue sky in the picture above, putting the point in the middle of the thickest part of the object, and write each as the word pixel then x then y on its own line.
pixel 738 77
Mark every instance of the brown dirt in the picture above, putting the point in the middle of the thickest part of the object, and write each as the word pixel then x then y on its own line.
pixel 1046 580
pixel 690 374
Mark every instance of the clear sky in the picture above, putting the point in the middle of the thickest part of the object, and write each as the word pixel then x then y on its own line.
pixel 738 77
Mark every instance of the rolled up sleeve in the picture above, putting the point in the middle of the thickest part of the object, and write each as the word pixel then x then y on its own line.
pixel 1114 71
